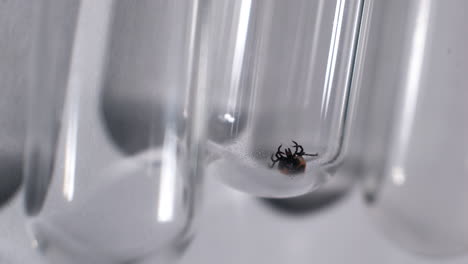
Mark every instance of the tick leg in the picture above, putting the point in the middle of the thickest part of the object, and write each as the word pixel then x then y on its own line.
pixel 295 143
pixel 279 149
pixel 278 155
pixel 274 161
pixel 299 149
pixel 312 155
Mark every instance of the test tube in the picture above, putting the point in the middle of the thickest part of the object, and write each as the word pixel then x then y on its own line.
pixel 111 157
pixel 416 155
pixel 279 80
pixel 16 18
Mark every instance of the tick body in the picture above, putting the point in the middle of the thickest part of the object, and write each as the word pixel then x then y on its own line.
pixel 290 163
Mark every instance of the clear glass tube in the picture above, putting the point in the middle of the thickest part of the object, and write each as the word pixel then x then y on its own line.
pixel 15 46
pixel 279 71
pixel 111 152
pixel 417 145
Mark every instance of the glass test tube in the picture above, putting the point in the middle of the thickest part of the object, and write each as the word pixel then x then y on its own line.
pixel 16 18
pixel 111 154
pixel 279 74
pixel 417 146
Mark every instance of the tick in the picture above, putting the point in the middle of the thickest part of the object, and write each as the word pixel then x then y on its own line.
pixel 290 163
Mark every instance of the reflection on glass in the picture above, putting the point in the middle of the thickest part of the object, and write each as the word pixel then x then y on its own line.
pixel 111 157
pixel 280 73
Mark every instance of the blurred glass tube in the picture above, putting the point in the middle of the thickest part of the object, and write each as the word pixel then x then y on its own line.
pixel 279 71
pixel 15 46
pixel 417 149
pixel 111 157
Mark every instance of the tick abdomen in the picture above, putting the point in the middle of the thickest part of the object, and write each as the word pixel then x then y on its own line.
pixel 292 166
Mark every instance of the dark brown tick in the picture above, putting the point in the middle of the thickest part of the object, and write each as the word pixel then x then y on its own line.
pixel 290 163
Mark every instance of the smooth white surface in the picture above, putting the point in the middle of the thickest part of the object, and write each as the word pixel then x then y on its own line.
pixel 236 228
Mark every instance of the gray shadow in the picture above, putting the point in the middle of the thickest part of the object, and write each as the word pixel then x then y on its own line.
pixel 11 176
